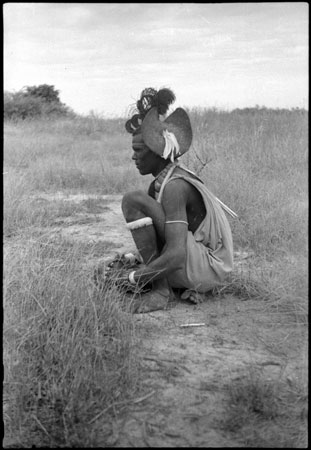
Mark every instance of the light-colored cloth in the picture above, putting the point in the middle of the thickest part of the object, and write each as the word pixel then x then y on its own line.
pixel 209 248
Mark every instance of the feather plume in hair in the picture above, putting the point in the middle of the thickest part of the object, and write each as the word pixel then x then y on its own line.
pixel 165 98
pixel 150 98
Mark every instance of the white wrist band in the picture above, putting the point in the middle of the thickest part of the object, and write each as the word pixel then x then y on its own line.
pixel 131 277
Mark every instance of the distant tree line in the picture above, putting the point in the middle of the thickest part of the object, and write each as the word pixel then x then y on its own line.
pixel 34 101
pixel 263 109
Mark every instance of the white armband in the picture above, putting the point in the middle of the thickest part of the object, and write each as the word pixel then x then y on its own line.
pixel 144 222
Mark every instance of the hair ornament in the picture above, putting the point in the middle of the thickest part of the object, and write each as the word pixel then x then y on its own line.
pixel 150 98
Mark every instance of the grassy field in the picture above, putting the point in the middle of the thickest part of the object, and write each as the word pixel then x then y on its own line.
pixel 62 337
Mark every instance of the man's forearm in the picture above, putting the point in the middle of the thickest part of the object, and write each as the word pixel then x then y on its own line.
pixel 161 267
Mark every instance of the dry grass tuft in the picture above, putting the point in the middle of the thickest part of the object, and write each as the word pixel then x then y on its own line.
pixel 267 413
pixel 282 286
pixel 68 345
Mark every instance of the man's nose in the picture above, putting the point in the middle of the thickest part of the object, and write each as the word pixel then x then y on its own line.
pixel 134 157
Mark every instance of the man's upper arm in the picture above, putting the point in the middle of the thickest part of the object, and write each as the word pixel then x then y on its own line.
pixel 174 202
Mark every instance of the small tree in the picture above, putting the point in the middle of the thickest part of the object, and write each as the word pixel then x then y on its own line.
pixel 34 101
pixel 45 92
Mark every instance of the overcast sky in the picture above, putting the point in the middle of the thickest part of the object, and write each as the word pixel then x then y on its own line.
pixel 101 55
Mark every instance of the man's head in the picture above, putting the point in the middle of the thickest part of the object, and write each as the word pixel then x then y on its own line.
pixel 146 161
pixel 169 138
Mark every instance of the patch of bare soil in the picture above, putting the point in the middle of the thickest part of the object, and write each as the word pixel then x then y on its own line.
pixel 192 355
pixel 99 220
pixel 187 371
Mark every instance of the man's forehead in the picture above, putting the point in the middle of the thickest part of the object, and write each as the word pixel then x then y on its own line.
pixel 138 141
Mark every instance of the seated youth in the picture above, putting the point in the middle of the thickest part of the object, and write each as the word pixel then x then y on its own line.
pixel 179 227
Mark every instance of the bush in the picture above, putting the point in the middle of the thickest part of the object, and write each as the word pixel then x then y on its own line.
pixel 29 104
pixel 45 92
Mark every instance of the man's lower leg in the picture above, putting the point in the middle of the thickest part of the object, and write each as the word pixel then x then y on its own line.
pixel 145 238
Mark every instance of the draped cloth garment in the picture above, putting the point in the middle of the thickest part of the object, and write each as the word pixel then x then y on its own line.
pixel 209 248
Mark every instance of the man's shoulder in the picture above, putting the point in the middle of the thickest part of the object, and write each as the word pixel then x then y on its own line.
pixel 178 187
pixel 175 183
pixel 183 175
pixel 183 171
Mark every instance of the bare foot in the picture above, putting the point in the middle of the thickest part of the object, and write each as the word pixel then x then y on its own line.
pixel 151 301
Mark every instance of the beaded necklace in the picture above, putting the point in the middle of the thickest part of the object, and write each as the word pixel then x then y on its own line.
pixel 161 178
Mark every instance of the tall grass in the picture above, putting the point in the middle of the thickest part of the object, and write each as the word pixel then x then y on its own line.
pixel 72 154
pixel 256 162
pixel 67 346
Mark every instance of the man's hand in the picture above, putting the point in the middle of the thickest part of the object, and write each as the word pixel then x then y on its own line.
pixel 120 277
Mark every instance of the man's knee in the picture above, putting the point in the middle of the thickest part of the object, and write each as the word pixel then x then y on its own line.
pixel 133 204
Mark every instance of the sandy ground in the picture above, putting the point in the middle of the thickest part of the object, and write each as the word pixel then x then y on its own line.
pixel 187 371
